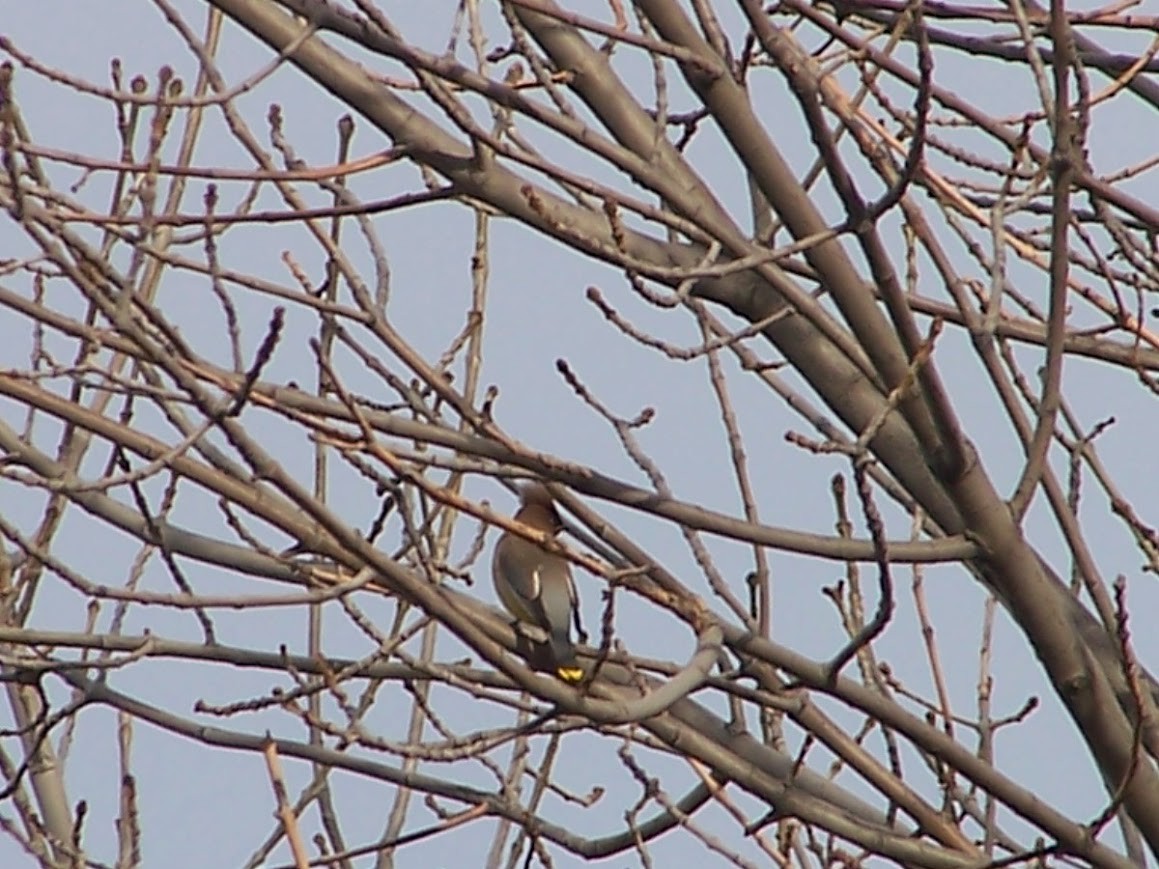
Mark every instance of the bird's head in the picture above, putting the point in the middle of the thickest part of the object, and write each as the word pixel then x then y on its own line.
pixel 537 509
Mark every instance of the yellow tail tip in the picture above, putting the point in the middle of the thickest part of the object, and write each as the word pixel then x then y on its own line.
pixel 570 674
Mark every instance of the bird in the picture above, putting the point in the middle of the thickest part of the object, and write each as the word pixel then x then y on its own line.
pixel 535 585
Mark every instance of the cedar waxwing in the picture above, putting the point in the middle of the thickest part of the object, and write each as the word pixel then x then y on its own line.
pixel 535 585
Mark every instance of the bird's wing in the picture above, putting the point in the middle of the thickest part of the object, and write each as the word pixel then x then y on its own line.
pixel 517 560
pixel 541 580
pixel 556 592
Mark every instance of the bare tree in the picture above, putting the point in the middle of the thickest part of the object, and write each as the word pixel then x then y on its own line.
pixel 182 417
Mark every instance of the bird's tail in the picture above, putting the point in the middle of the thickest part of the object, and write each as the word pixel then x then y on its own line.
pixel 563 653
